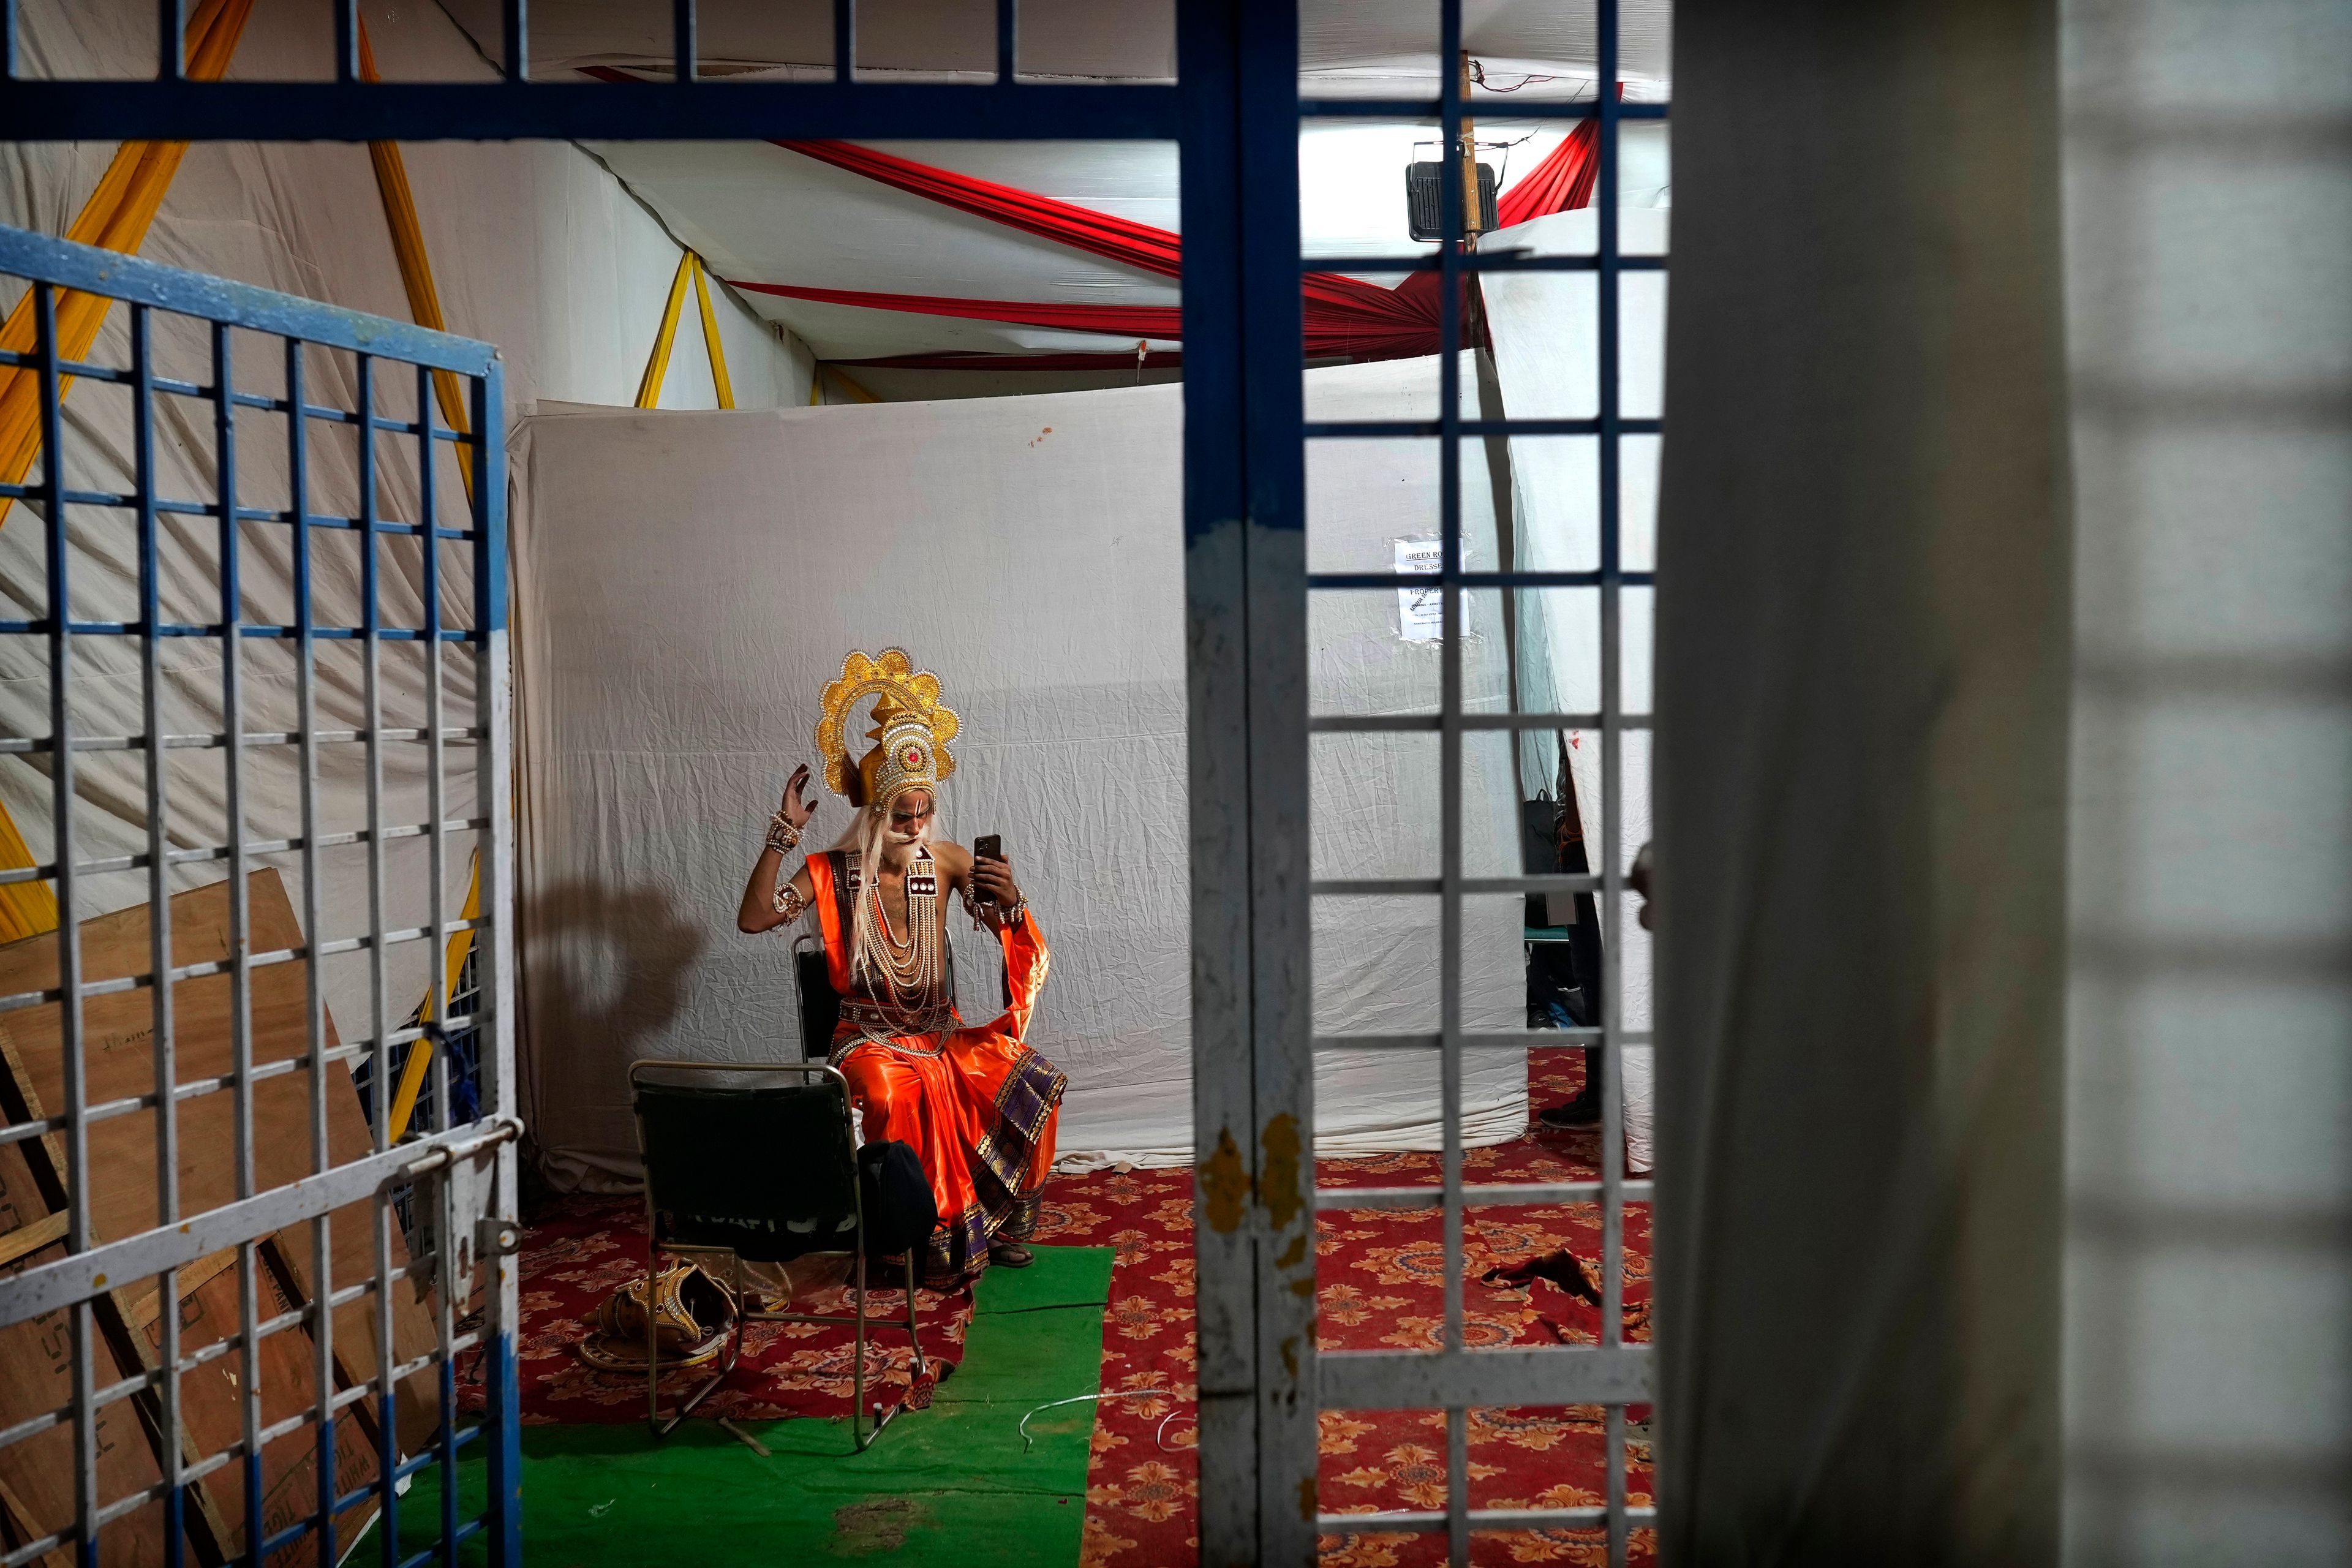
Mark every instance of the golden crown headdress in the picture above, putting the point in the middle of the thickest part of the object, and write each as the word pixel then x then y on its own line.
pixel 911 728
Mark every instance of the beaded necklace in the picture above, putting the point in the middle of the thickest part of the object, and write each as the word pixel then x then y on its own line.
pixel 909 972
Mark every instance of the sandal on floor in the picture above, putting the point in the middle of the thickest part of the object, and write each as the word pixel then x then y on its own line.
pixel 1010 1255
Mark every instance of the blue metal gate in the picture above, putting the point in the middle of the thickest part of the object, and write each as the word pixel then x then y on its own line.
pixel 1236 112
pixel 188 1315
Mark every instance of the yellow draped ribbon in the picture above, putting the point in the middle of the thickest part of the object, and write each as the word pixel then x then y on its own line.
pixel 649 386
pixel 841 378
pixel 424 306
pixel 116 218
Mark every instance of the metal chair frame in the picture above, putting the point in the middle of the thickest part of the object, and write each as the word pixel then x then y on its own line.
pixel 655 1247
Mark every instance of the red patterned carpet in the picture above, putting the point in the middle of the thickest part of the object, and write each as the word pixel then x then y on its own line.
pixel 1379 1285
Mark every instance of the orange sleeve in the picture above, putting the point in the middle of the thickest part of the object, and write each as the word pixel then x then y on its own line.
pixel 1027 958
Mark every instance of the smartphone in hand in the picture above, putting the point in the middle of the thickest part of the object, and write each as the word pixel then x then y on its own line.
pixel 989 846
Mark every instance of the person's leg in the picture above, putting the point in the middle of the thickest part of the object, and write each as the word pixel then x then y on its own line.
pixel 912 1100
pixel 1010 1246
pixel 1013 1096
pixel 1583 1108
pixel 887 1094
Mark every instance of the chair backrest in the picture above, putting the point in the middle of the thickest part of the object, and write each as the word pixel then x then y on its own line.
pixel 820 1003
pixel 768 1170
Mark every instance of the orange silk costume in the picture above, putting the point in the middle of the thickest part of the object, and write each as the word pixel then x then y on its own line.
pixel 977 1105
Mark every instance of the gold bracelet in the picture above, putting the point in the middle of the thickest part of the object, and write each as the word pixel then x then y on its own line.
pixel 789 903
pixel 782 837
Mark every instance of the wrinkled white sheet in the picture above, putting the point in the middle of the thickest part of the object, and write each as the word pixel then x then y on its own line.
pixel 1547 357
pixel 689 581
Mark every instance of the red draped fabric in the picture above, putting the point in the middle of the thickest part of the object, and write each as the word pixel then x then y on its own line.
pixel 1562 183
pixel 1345 317
pixel 1398 323
pixel 1081 228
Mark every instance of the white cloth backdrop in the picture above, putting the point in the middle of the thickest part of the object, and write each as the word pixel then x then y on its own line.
pixel 1547 358
pixel 688 583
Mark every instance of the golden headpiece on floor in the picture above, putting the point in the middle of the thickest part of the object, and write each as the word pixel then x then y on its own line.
pixel 912 726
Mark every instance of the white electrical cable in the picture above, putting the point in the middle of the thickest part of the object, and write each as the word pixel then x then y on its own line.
pixel 1160 1438
pixel 1082 1398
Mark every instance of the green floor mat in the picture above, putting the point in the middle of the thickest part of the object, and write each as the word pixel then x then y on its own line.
pixel 949 1485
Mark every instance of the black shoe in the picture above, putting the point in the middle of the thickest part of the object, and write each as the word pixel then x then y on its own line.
pixel 1584 1110
pixel 1010 1255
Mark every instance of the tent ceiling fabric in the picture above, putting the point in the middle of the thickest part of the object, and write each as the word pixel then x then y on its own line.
pixel 762 214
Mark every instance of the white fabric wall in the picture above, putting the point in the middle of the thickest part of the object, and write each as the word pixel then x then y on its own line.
pixel 2209 1283
pixel 1544 326
pixel 535 248
pixel 690 582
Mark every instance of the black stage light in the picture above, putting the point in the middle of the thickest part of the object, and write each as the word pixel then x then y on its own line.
pixel 1423 189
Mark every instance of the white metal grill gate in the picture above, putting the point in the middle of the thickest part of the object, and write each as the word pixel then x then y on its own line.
pixel 1262 1382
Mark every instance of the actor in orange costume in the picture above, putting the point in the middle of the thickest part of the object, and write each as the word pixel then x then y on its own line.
pixel 977 1105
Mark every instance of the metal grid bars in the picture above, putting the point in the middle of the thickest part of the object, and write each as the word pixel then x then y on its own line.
pixel 690 107
pixel 322 1378
pixel 1456 1378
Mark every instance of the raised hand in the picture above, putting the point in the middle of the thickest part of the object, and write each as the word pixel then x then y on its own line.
pixel 992 880
pixel 800 802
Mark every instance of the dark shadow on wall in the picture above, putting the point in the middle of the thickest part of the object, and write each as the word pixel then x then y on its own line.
pixel 604 973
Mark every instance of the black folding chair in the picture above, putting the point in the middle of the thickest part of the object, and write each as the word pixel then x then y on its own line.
pixel 764 1174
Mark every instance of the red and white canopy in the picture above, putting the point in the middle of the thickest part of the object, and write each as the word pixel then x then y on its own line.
pixel 1039 265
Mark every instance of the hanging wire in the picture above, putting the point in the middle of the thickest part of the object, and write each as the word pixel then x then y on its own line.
pixel 1478 75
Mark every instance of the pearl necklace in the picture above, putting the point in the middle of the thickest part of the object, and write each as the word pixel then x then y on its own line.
pixel 911 973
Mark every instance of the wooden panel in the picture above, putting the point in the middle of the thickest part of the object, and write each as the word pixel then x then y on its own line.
pixel 37 1476
pixel 215 1420
pixel 119 1062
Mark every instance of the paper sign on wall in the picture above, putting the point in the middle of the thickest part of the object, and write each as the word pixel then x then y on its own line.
pixel 1420 611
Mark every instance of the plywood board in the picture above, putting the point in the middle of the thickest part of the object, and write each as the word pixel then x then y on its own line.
pixel 119 1062
pixel 213 1396
pixel 37 1476
pixel 35 1181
